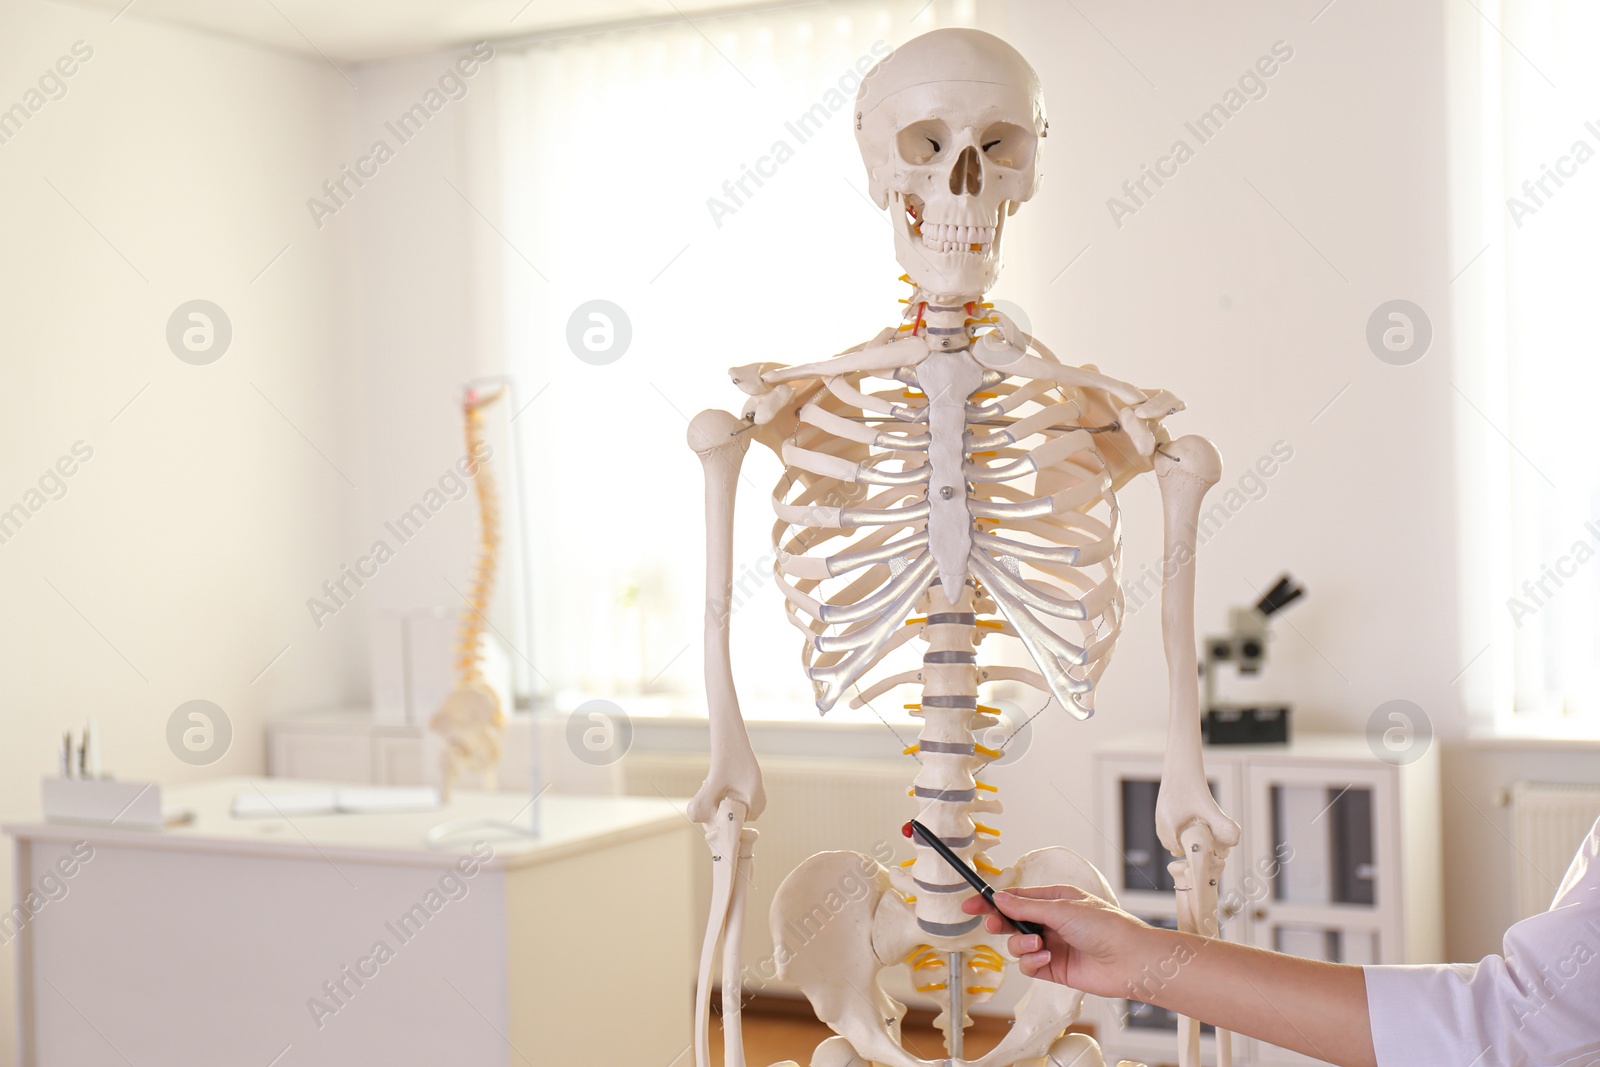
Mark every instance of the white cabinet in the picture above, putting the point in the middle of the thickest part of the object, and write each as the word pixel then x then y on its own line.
pixel 344 745
pixel 1340 860
pixel 397 760
pixel 225 941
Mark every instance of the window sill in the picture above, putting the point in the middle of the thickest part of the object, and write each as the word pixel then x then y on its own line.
pixel 1534 736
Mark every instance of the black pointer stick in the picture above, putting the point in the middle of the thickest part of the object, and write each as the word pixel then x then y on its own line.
pixel 974 879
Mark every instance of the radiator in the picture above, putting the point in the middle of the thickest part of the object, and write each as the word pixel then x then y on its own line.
pixel 1548 821
pixel 813 805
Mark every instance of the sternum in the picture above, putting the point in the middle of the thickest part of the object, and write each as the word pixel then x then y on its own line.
pixel 948 379
pixel 946 787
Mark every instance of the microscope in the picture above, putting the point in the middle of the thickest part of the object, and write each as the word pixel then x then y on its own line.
pixel 1245 646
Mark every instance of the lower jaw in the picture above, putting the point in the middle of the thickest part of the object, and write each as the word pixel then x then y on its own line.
pixel 950 276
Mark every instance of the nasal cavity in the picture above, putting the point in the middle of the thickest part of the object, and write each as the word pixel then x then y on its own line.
pixel 967 175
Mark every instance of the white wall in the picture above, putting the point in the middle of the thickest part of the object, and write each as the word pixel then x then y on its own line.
pixel 182 551
pixel 1209 291
pixel 426 312
pixel 1480 861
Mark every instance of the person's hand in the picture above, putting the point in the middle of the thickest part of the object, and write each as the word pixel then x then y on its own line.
pixel 1088 944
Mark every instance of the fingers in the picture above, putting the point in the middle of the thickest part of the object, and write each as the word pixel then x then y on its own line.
pixel 1049 910
pixel 1034 963
pixel 1040 903
pixel 976 905
pixel 1044 910
pixel 1046 892
pixel 994 922
pixel 1028 902
pixel 1020 945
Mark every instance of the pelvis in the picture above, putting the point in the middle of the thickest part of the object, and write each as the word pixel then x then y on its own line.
pixel 838 922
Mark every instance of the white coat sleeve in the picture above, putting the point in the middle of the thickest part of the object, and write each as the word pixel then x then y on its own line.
pixel 1538 1005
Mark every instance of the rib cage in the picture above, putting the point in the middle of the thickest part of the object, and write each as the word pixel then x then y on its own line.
pixel 852 535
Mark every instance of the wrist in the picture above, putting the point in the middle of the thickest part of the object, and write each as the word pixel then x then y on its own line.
pixel 1152 959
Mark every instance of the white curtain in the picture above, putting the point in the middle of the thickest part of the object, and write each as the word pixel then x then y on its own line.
pixel 702 177
pixel 1539 490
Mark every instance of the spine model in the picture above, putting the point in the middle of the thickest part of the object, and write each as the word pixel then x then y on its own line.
pixel 951 796
pixel 469 628
pixel 471 720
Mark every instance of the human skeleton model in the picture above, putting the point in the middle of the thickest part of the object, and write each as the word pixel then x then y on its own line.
pixel 470 719
pixel 949 481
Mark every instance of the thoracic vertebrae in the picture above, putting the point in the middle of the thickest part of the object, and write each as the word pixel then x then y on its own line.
pixel 944 482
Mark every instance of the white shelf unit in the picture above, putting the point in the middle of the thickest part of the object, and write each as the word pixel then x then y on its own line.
pixel 344 745
pixel 1340 860
pixel 347 745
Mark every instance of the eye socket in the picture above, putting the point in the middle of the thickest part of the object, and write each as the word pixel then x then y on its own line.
pixel 922 142
pixel 1008 145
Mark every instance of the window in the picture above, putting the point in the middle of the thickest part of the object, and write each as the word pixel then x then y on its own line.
pixel 703 181
pixel 1529 155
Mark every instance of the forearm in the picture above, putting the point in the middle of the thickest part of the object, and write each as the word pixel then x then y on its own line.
pixel 1311 1007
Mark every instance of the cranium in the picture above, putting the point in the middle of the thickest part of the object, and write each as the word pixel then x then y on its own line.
pixel 949 127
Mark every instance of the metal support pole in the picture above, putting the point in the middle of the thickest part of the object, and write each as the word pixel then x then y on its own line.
pixel 956 1037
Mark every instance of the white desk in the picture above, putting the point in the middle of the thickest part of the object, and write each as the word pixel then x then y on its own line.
pixel 203 946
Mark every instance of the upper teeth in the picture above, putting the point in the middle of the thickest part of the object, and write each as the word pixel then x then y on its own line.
pixel 942 237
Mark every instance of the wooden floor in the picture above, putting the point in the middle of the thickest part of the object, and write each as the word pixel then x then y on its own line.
pixel 776 1030
pixel 770 1039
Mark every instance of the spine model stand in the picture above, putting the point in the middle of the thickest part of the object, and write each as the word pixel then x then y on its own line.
pixel 950 483
pixel 470 719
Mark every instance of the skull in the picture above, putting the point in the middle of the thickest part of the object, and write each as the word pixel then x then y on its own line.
pixel 949 126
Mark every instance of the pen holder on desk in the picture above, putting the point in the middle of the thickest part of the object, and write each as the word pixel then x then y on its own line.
pixel 101 801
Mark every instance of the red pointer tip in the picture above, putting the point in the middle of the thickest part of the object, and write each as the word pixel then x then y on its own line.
pixel 906 829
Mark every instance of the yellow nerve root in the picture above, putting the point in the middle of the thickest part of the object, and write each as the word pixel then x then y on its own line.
pixel 985 958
